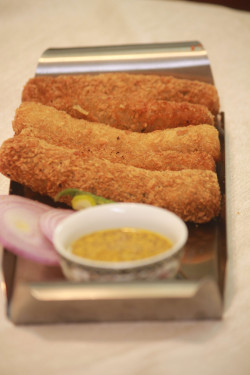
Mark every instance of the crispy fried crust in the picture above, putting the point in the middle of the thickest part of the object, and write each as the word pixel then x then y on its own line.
pixel 193 195
pixel 127 113
pixel 193 147
pixel 135 114
pixel 132 90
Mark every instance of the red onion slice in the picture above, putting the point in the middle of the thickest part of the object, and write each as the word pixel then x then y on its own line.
pixel 20 232
pixel 50 219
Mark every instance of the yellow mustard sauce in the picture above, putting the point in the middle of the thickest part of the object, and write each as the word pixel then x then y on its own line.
pixel 122 244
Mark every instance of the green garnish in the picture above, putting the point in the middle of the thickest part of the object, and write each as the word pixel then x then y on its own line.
pixel 82 199
pixel 79 202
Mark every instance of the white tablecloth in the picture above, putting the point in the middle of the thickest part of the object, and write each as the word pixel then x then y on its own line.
pixel 29 27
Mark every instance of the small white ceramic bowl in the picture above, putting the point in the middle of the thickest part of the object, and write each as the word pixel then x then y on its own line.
pixel 118 215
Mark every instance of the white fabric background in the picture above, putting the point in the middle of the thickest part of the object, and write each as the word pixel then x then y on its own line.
pixel 27 28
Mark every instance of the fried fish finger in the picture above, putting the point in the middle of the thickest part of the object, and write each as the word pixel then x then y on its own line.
pixel 186 148
pixel 192 194
pixel 127 113
pixel 68 90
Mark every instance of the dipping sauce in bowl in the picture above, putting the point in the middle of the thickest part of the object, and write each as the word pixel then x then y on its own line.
pixel 120 242
pixel 120 245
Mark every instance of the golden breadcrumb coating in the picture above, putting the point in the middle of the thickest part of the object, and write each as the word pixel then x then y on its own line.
pixel 140 86
pixel 194 195
pixel 134 112
pixel 193 147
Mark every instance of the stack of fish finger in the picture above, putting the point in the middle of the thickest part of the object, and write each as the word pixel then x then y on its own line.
pixel 127 137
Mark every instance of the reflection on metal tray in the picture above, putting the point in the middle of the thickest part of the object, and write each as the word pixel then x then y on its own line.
pixel 39 294
pixel 184 60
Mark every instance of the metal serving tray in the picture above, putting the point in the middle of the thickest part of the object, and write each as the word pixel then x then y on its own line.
pixel 39 294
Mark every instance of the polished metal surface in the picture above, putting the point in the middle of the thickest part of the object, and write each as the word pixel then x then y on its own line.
pixel 55 303
pixel 39 294
pixel 186 59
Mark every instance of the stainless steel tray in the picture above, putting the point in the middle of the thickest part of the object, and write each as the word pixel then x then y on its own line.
pixel 39 294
